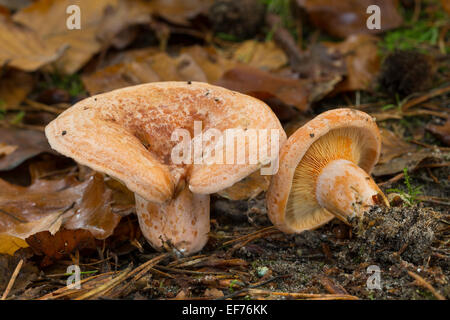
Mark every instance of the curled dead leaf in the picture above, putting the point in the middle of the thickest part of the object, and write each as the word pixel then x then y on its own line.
pixel 22 48
pixel 29 143
pixel 263 85
pixel 345 17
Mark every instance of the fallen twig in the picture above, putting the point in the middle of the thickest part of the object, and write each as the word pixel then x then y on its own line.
pixel 12 280
pixel 423 283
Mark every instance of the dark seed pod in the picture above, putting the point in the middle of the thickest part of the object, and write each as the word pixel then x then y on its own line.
pixel 240 18
pixel 406 72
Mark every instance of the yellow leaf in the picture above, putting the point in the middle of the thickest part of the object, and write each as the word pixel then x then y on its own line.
pixel 10 244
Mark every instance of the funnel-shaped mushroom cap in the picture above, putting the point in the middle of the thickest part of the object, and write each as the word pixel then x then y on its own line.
pixel 340 137
pixel 127 133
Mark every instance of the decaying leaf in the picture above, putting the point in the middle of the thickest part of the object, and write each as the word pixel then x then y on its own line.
pixel 361 59
pixel 95 213
pixel 264 85
pixel 346 17
pixel 145 67
pixel 247 188
pixel 48 19
pixel 55 247
pixel 408 160
pixel 29 143
pixel 213 64
pixel 15 85
pixel 442 132
pixel 22 48
pixel 392 146
pixel 47 205
pixel 263 55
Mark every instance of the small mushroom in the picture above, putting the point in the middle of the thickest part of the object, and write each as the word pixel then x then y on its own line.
pixel 127 134
pixel 325 172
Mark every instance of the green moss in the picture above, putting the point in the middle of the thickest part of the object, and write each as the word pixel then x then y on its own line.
pixel 70 83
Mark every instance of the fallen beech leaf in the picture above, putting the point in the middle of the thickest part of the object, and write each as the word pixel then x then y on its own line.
pixel 247 188
pixel 48 19
pixel 46 205
pixel 15 85
pixel 122 16
pixel 213 64
pixel 262 55
pixel 29 144
pixel 145 68
pixel 345 17
pixel 443 132
pixel 263 85
pixel 361 59
pixel 95 213
pixel 55 247
pixel 22 48
pixel 408 160
pixel 9 244
pixel 393 147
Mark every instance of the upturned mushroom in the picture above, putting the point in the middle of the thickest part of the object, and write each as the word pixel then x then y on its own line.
pixel 133 134
pixel 325 172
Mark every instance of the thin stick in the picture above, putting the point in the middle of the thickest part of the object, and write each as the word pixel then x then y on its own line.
pixel 299 295
pixel 423 283
pixel 13 279
pixel 425 97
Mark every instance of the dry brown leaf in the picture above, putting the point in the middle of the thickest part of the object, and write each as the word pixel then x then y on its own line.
pixel 263 85
pixel 46 205
pixel 408 160
pixel 122 16
pixel 361 59
pixel 248 188
pixel 144 68
pixel 101 20
pixel 95 213
pixel 442 132
pixel 392 146
pixel 55 247
pixel 213 64
pixel 22 48
pixel 346 17
pixel 263 55
pixel 29 144
pixel 15 85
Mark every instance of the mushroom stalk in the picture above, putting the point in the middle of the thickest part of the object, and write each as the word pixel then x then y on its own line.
pixel 181 223
pixel 345 190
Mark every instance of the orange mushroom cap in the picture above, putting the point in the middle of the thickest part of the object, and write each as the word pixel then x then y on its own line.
pixel 324 171
pixel 127 134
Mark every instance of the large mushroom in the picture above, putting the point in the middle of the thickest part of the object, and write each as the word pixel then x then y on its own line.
pixel 129 135
pixel 325 172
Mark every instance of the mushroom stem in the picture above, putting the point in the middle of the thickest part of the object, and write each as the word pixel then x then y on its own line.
pixel 181 224
pixel 346 190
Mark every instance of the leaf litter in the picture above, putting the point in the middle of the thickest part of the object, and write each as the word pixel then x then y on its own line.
pixel 66 214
